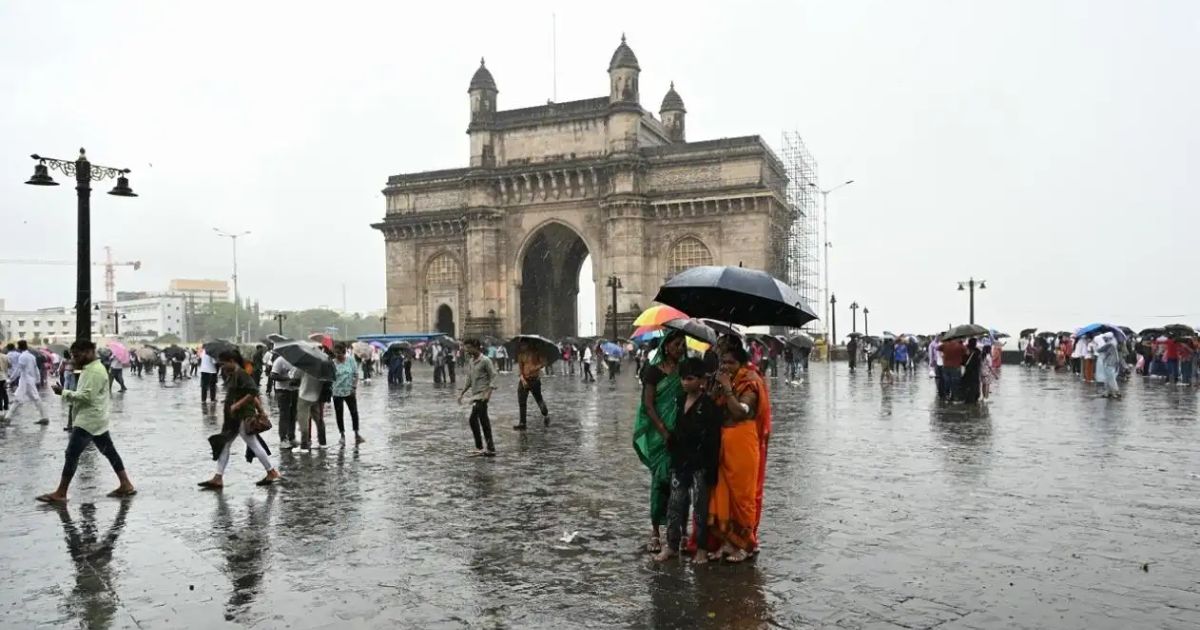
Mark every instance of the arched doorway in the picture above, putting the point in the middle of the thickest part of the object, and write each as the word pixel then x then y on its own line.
pixel 445 319
pixel 550 268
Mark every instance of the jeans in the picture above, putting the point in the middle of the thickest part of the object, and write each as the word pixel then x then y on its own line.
pixel 523 392
pixel 351 403
pixel 79 442
pixel 308 413
pixel 953 377
pixel 208 386
pixel 480 422
pixel 286 398
pixel 118 375
pixel 1172 370
pixel 684 486
pixel 1185 371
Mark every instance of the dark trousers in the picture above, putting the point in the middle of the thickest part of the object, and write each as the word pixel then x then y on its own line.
pixel 439 373
pixel 688 490
pixel 286 398
pixel 523 392
pixel 1172 370
pixel 614 368
pixel 79 442
pixel 408 371
pixel 3 395
pixel 481 423
pixel 587 372
pixel 450 370
pixel 117 375
pixel 351 403
pixel 366 370
pixel 176 371
pixel 162 372
pixel 939 378
pixel 953 378
pixel 208 386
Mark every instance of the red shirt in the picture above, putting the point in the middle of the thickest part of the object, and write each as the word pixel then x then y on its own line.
pixel 1171 350
pixel 953 354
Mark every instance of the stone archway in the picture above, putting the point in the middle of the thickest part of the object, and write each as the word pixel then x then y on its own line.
pixel 445 319
pixel 550 265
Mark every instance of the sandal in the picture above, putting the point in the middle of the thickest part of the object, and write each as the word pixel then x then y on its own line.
pixel 122 493
pixel 52 500
pixel 738 556
pixel 654 546
pixel 268 481
pixel 210 485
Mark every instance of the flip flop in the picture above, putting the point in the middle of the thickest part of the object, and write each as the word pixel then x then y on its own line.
pixel 209 485
pixel 268 482
pixel 46 498
pixel 121 494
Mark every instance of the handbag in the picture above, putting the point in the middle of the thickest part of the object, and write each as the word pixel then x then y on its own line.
pixel 257 423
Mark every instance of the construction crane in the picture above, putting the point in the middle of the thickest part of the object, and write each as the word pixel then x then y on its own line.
pixel 110 276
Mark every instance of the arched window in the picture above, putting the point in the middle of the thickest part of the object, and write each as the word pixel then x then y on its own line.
pixel 443 270
pixel 687 252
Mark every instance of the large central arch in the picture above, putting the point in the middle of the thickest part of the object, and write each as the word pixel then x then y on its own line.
pixel 550 264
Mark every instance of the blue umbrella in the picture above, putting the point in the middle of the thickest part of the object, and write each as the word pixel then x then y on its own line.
pixel 611 349
pixel 1097 328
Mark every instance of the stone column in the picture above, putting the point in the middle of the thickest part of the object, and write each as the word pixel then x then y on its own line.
pixel 485 277
pixel 404 286
pixel 625 255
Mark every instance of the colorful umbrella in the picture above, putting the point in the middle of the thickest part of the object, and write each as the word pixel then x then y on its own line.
pixel 659 333
pixel 120 352
pixel 658 315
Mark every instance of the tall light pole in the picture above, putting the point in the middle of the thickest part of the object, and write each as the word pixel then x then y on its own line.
pixel 854 317
pixel 279 317
pixel 825 229
pixel 383 321
pixel 969 285
pixel 85 172
pixel 833 321
pixel 237 304
pixel 116 317
pixel 866 322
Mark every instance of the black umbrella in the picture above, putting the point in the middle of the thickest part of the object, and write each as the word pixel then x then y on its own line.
pixel 175 352
pixel 215 347
pixel 963 331
pixel 693 328
pixel 735 295
pixel 1025 332
pixel 1150 332
pixel 57 348
pixel 307 358
pixel 1047 333
pixel 802 341
pixel 544 347
pixel 721 328
pixel 854 334
pixel 1179 330
pixel 766 340
pixel 397 347
pixel 275 338
pixel 448 342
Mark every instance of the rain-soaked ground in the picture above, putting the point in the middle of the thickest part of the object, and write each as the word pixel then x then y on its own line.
pixel 1049 509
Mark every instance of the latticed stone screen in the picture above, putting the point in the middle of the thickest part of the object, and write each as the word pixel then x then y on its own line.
pixel 687 253
pixel 443 270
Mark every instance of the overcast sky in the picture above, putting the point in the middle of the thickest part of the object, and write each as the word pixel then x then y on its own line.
pixel 1051 148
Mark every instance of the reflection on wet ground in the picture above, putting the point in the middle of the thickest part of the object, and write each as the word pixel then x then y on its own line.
pixel 1050 508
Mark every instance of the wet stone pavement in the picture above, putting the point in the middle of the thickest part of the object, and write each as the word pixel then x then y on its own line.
pixel 884 509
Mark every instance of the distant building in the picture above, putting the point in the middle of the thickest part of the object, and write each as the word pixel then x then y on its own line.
pixel 201 291
pixel 149 317
pixel 48 325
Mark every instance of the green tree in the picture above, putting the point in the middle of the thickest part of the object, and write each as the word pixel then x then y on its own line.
pixel 167 338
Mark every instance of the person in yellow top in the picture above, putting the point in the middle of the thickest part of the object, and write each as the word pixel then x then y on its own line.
pixel 90 403
pixel 530 364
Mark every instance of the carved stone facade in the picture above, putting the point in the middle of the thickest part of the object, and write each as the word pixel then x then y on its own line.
pixel 496 247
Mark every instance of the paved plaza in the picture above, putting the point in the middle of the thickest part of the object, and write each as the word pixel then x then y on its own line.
pixel 885 509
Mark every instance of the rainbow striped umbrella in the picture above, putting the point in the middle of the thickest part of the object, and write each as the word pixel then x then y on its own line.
pixel 658 315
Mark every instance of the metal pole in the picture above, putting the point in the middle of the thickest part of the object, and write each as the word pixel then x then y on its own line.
pixel 116 322
pixel 971 286
pixel 383 320
pixel 825 228
pixel 854 318
pixel 866 322
pixel 83 250
pixel 237 304
pixel 613 282
pixel 833 322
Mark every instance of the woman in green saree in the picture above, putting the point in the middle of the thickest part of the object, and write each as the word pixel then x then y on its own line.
pixel 661 388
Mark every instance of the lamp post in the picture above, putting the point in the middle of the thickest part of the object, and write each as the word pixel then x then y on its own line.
pixel 833 318
pixel 383 321
pixel 854 317
pixel 116 317
pixel 969 285
pixel 614 283
pixel 866 322
pixel 279 317
pixel 825 229
pixel 85 172
pixel 237 304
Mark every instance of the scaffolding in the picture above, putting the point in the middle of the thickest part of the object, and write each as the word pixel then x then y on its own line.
pixel 804 242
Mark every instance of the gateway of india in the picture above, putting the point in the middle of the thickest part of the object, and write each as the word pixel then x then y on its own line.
pixel 496 247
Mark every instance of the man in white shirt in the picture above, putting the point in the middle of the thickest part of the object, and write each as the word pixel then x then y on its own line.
pixel 307 411
pixel 26 371
pixel 284 376
pixel 208 378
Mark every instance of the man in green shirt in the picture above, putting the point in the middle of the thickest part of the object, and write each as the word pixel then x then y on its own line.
pixel 90 403
pixel 481 376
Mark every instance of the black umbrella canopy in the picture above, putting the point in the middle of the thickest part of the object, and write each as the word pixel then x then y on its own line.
pixel 766 340
pixel 964 331
pixel 801 341
pixel 1179 330
pixel 854 334
pixel 57 348
pixel 308 358
pixel 1025 332
pixel 215 347
pixel 721 328
pixel 448 342
pixel 175 352
pixel 543 347
pixel 735 295
pixel 693 328
pixel 1150 332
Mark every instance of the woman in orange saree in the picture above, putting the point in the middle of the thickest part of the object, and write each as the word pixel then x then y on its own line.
pixel 733 507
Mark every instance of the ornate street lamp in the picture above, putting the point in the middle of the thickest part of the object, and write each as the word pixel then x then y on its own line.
pixel 969 285
pixel 614 283
pixel 84 172
pixel 279 317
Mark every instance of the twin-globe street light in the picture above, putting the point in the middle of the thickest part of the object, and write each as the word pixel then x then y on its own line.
pixel 970 285
pixel 828 243
pixel 85 172
pixel 237 328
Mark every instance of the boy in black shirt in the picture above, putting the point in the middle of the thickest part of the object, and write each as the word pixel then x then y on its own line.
pixel 695 448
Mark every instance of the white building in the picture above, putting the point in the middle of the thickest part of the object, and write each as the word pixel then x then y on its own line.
pixel 54 325
pixel 201 291
pixel 149 317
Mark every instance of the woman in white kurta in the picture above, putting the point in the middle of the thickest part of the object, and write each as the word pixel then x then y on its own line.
pixel 27 392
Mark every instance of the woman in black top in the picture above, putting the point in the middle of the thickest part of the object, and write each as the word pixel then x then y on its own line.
pixel 241 404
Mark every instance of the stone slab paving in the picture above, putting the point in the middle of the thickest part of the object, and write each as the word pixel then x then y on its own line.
pixel 1049 509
